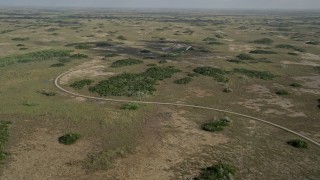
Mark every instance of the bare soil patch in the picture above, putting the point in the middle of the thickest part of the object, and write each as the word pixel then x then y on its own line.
pixel 310 56
pixel 87 69
pixel 269 103
pixel 303 63
pixel 240 48
pixel 176 140
pixel 41 156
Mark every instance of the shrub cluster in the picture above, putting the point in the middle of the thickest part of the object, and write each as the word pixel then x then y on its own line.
pixel 235 60
pixel 130 106
pixel 217 172
pixel 297 143
pixel 111 55
pixel 185 80
pixel 218 74
pixel 33 56
pixel 295 85
pixel 216 125
pixel 122 38
pixel 288 46
pixel 212 41
pixel 227 90
pixel 47 93
pixel 313 42
pixel 57 65
pixel 261 51
pixel 317 69
pixel 89 45
pixel 126 62
pixel 19 39
pixel 78 56
pixel 69 138
pixel 129 84
pixel 245 57
pixel 256 74
pixel 282 92
pixel 81 84
pixel 4 135
pixel 266 41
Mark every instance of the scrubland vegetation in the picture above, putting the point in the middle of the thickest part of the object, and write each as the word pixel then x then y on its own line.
pixel 252 63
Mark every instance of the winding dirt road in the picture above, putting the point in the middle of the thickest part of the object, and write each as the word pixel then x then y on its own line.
pixel 56 83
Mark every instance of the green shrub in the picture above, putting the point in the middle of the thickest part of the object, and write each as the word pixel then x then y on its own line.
pixel 261 51
pixel 19 45
pixel 282 92
pixel 128 84
pixel 266 41
pixel 210 39
pixel 34 56
pixel 162 61
pixel 69 138
pixel 111 55
pixel 235 61
pixel 81 84
pixel 19 39
pixel 288 46
pixel 317 69
pixel 297 143
pixel 145 51
pixel 313 42
pixel 256 74
pixel 185 80
pixel 285 46
pixel 122 38
pixel 78 56
pixel 216 125
pixel 217 172
pixel 52 29
pixel 4 136
pixel 296 85
pixel 160 73
pixel 89 45
pixel 227 90
pixel 193 74
pixel 57 65
pixel 126 62
pixel 65 60
pixel 47 93
pixel 293 53
pixel 83 46
pixel 218 74
pixel 130 106
pixel 245 57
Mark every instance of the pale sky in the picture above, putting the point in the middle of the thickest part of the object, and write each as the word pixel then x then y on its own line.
pixel 206 4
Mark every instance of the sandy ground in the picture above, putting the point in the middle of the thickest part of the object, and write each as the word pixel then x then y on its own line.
pixel 303 63
pixel 270 103
pixel 87 69
pixel 240 48
pixel 158 153
pixel 40 156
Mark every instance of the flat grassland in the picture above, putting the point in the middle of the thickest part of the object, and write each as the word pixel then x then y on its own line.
pixel 261 64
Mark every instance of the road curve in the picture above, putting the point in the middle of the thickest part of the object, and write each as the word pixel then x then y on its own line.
pixel 56 83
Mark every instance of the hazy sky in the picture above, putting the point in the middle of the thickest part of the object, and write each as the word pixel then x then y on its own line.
pixel 216 4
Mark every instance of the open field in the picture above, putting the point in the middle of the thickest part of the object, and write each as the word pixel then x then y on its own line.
pixel 260 64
